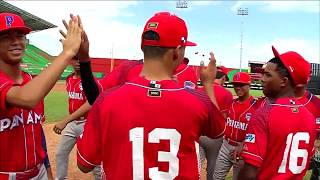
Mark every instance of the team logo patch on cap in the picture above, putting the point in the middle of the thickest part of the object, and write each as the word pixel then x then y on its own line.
pixel 153 25
pixel 251 138
pixel 248 116
pixel 9 21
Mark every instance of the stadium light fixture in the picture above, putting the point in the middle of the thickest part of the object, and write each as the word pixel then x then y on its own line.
pixel 242 12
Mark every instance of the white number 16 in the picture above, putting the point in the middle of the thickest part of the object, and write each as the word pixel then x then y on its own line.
pixel 295 153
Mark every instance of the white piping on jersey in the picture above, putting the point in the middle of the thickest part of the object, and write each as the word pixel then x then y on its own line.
pixel 196 145
pixel 133 84
pixel 86 160
pixel 182 70
pixel 34 144
pixel 98 82
pixel 25 143
pixel 308 100
pixel 285 105
pixel 221 132
pixel 252 155
pixel 4 84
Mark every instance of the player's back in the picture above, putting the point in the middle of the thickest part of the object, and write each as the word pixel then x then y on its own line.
pixel 151 133
pixel 290 139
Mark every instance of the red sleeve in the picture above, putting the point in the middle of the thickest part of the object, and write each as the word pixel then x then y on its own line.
pixel 89 143
pixel 256 139
pixel 215 123
pixel 228 98
pixel 5 85
pixel 119 75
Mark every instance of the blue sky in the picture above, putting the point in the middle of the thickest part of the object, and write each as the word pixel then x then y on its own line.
pixel 114 27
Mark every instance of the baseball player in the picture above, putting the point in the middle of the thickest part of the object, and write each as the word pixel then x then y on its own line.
pixel 238 118
pixel 282 132
pixel 74 127
pixel 156 135
pixel 21 99
pixel 312 103
pixel 209 148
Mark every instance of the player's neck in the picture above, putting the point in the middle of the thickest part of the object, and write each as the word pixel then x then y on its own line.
pixel 244 97
pixel 156 70
pixel 285 93
pixel 13 71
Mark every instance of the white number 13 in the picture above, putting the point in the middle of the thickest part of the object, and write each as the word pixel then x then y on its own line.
pixel 136 137
pixel 295 152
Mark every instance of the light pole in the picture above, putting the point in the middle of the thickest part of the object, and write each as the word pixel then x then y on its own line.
pixel 241 12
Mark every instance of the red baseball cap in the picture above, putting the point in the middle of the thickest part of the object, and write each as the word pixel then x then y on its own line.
pixel 171 29
pixel 224 70
pixel 297 66
pixel 241 77
pixel 9 21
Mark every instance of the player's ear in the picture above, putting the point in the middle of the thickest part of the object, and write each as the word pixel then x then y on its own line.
pixel 284 81
pixel 175 53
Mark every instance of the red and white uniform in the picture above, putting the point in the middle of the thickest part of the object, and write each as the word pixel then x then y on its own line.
pixel 20 133
pixel 131 69
pixel 312 103
pixel 75 92
pixel 223 96
pixel 280 139
pixel 138 134
pixel 239 116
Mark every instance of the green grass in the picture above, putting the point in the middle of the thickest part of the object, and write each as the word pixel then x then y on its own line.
pixel 56 106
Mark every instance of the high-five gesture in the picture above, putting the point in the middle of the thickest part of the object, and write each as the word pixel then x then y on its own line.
pixel 83 53
pixel 72 40
pixel 207 76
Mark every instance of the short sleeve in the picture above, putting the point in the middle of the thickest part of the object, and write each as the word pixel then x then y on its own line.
pixel 5 85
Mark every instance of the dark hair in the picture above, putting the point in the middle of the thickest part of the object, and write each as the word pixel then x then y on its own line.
pixel 219 74
pixel 153 51
pixel 281 69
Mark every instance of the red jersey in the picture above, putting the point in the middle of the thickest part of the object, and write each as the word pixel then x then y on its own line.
pixel 20 131
pixel 312 103
pixel 138 132
pixel 185 75
pixel 239 116
pixel 224 98
pixel 280 139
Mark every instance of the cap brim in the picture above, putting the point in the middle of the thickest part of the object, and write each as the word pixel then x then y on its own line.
pixel 189 43
pixel 275 52
pixel 239 82
pixel 24 29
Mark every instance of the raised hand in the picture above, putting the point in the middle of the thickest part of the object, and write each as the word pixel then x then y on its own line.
pixel 83 53
pixel 208 74
pixel 72 41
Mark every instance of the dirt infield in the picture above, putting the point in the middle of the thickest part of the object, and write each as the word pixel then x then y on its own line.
pixel 52 143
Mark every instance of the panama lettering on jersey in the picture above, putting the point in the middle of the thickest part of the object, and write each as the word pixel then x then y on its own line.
pixel 279 141
pixel 18 120
pixel 75 92
pixel 20 131
pixel 159 138
pixel 236 124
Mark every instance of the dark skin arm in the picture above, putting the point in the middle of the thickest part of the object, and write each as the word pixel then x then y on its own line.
pixel 248 172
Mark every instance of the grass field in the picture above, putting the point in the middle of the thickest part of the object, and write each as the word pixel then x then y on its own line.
pixel 56 108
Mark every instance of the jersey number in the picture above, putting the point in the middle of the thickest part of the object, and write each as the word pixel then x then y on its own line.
pixel 292 145
pixel 136 137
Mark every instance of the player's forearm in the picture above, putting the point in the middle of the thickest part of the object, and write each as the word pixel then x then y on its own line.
pixel 89 84
pixel 82 111
pixel 29 95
